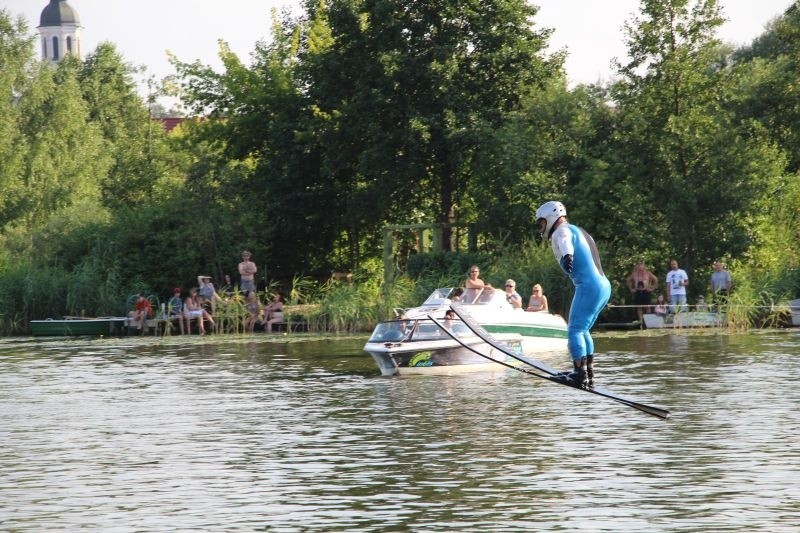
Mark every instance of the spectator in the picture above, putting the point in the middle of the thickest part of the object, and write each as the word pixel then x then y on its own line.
pixel 677 281
pixel 193 308
pixel 142 310
pixel 207 292
pixel 247 271
pixel 537 301
pixel 512 296
pixel 642 283
pixel 253 307
pixel 720 284
pixel 175 308
pixel 273 312
pixel 661 306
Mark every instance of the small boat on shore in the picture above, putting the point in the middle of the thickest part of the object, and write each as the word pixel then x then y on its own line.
pixel 413 344
pixel 688 319
pixel 75 326
pixel 794 310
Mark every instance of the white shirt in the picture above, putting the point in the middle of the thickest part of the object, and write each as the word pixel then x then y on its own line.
pixel 675 281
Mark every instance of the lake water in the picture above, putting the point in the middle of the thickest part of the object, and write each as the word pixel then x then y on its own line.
pixel 242 433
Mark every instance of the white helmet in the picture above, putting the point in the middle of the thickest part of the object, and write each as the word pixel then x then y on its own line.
pixel 550 212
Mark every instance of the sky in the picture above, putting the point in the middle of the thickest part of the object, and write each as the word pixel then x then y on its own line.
pixel 143 31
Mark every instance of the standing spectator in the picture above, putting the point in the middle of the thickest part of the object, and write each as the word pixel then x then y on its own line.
pixel 576 252
pixel 720 284
pixel 538 301
pixel 642 283
pixel 175 307
pixel 677 281
pixel 512 296
pixel 247 271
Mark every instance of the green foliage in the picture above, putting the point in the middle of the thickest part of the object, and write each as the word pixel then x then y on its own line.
pixel 363 114
pixel 450 266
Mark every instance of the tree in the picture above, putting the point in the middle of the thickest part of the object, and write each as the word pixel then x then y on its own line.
pixel 136 143
pixel 16 54
pixel 690 174
pixel 406 95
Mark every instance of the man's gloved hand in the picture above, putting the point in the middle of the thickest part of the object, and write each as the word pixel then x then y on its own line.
pixel 566 263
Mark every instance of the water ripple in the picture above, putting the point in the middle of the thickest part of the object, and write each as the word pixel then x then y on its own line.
pixel 244 433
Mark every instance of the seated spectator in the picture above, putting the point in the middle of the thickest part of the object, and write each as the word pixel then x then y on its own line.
pixel 192 308
pixel 661 306
pixel 701 304
pixel 253 307
pixel 512 296
pixel 207 292
pixel 175 307
pixel 142 310
pixel 273 312
pixel 538 301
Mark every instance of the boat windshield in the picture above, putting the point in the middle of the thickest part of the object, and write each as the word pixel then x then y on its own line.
pixel 392 331
pixel 416 330
pixel 438 297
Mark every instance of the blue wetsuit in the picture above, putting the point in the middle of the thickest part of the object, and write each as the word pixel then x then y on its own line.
pixel 592 289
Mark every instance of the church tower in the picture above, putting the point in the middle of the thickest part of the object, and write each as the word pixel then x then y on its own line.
pixel 60 30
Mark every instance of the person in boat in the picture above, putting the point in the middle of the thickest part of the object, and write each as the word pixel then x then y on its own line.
pixel 537 301
pixel 475 285
pixel 661 306
pixel 512 296
pixel 677 281
pixel 576 252
pixel 642 283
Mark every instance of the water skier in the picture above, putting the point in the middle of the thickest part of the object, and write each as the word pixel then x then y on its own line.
pixel 577 254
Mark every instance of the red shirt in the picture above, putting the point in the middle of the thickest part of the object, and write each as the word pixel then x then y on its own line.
pixel 143 304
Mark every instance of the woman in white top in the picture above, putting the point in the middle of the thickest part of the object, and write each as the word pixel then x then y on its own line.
pixel 192 308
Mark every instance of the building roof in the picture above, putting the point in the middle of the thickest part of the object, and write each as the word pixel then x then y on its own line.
pixel 58 13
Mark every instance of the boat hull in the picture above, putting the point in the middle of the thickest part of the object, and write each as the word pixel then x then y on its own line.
pixel 441 357
pixel 78 327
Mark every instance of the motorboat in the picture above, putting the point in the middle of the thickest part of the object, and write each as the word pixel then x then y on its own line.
pixel 412 343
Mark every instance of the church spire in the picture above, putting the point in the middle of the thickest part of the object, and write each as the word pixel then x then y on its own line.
pixel 60 31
